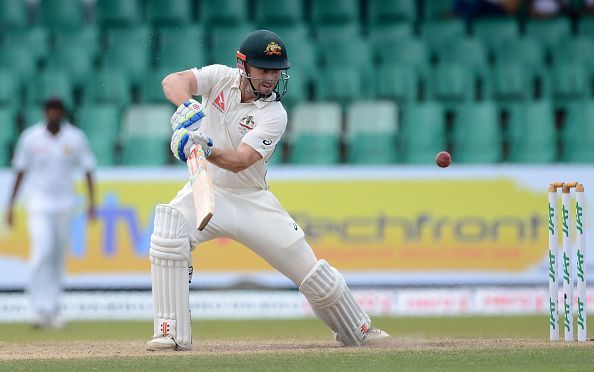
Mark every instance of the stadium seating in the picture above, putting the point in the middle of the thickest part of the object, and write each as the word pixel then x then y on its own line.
pixel 108 86
pixel 548 32
pixel 36 40
pixel 510 82
pixel 151 90
pixel 334 11
pixel 20 60
pixel 101 123
pixel 578 49
pixel 170 13
pixel 422 134
pixel 226 41
pixel 312 142
pixel 409 51
pixel 382 37
pixel 172 55
pixel 117 13
pixel 495 32
pixel 8 134
pixel 77 62
pixel 271 13
pixel 451 84
pixel 13 15
pixel 439 33
pixel 577 137
pixel 146 135
pixel 62 15
pixel 396 81
pixel 532 133
pixel 381 11
pixel 49 84
pixel 301 49
pixel 370 135
pixel 223 12
pixel 86 40
pixel 439 9
pixel 571 80
pixel 10 88
pixel 477 135
pixel 129 51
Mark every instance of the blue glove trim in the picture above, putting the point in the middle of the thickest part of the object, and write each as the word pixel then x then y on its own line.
pixel 180 147
pixel 197 116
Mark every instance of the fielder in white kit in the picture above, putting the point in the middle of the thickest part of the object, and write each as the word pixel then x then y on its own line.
pixel 48 154
pixel 238 124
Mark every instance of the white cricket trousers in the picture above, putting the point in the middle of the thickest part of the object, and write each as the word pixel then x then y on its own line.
pixel 49 239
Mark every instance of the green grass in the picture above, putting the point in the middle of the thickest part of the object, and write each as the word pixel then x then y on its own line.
pixel 460 355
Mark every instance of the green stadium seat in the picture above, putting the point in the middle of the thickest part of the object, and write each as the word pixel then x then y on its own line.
pixel 35 39
pixel 532 133
pixel 151 90
pixel 272 12
pixel 342 55
pixel 439 33
pixel 297 88
pixel 108 86
pixel 437 9
pixel 172 54
pixel 61 15
pixel 585 27
pixel 342 84
pixel 129 51
pixel 8 134
pixel 10 88
pixel 172 12
pixel 277 155
pixel 145 152
pixel 77 62
pixel 112 13
pixel 13 14
pixel 19 60
pixel 579 49
pixel 495 32
pixel 371 129
pixel 577 136
pixel 226 41
pixel 570 81
pixel 328 35
pixel 334 11
pixel 101 123
pixel 146 135
pixel 85 39
pixel 33 116
pixel 524 50
pixel 396 81
pixel 411 51
pixel 223 12
pixel 451 84
pixel 548 32
pixel 382 37
pixel 48 84
pixel 466 51
pixel 422 134
pixel 477 134
pixel 312 143
pixel 380 11
pixel 301 49
pixel 509 82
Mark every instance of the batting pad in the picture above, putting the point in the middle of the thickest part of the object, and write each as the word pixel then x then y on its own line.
pixel 325 289
pixel 170 271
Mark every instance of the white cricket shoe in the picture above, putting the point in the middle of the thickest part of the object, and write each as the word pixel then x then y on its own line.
pixel 165 343
pixel 374 336
pixel 56 322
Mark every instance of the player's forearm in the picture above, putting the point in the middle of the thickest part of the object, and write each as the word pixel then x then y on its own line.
pixel 231 160
pixel 15 189
pixel 91 188
pixel 176 89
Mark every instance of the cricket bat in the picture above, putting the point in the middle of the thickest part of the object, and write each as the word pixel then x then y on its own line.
pixel 202 190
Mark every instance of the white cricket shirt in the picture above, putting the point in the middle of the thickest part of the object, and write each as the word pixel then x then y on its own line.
pixel 229 122
pixel 50 162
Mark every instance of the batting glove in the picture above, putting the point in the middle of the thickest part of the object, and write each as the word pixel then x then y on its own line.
pixel 187 115
pixel 183 140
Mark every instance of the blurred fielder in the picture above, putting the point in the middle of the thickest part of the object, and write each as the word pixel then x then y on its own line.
pixel 48 154
pixel 240 122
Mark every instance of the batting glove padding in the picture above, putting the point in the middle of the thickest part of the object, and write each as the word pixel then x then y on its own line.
pixel 187 115
pixel 183 140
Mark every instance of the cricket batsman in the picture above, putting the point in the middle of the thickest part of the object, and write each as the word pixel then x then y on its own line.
pixel 239 124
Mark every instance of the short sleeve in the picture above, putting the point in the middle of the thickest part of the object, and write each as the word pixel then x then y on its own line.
pixel 86 159
pixel 207 77
pixel 20 160
pixel 266 135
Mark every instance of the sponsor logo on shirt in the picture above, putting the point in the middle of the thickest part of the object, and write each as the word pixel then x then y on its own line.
pixel 246 124
pixel 219 102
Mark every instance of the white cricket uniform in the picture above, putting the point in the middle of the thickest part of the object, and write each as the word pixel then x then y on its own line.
pixel 49 162
pixel 244 208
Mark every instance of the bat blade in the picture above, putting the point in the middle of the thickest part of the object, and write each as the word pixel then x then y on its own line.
pixel 202 190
